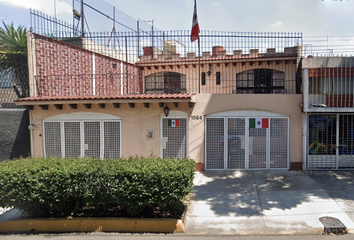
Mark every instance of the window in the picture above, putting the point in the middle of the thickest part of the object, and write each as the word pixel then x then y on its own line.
pixel 203 78
pixel 165 82
pixel 260 81
pixel 217 78
pixel 330 85
pixel 82 138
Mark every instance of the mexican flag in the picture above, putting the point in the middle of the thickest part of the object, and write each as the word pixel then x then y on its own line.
pixel 173 122
pixel 259 123
pixel 195 24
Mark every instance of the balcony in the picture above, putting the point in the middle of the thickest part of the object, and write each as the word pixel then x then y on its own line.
pixel 121 84
pixel 169 65
pixel 328 84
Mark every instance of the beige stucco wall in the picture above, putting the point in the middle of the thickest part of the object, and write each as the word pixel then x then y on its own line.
pixel 228 74
pixel 135 122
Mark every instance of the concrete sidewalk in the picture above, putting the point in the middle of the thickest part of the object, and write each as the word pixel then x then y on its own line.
pixel 269 202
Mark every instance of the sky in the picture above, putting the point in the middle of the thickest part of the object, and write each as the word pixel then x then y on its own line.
pixel 325 18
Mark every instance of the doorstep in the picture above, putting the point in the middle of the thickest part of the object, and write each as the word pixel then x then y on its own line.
pixel 44 225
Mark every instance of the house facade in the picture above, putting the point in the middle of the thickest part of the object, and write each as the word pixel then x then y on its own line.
pixel 328 112
pixel 224 109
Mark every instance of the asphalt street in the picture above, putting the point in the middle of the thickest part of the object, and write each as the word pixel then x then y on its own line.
pixel 111 236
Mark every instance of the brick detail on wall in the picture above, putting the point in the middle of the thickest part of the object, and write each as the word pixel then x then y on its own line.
pixel 296 166
pixel 199 167
pixel 67 70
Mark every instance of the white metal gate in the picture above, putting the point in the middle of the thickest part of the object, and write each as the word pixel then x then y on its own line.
pixel 99 139
pixel 174 138
pixel 247 143
pixel 330 141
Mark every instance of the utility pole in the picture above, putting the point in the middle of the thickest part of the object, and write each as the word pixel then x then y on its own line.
pixel 82 19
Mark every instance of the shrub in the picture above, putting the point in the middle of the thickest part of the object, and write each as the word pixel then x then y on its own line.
pixel 55 186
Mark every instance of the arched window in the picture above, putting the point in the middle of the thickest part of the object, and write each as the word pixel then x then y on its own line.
pixel 260 81
pixel 165 82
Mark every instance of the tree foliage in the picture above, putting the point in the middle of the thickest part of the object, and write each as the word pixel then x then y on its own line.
pixel 13 57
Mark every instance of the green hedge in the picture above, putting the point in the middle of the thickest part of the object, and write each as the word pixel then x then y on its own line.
pixel 54 186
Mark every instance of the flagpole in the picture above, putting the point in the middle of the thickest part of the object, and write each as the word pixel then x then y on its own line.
pixel 199 64
pixel 195 35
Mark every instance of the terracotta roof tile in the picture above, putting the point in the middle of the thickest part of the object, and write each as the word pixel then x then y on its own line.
pixel 115 97
pixel 218 58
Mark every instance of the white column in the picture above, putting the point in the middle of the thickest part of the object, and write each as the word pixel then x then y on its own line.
pixel 306 90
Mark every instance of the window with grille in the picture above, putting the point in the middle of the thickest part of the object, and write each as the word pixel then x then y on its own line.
pixel 111 140
pixel 218 78
pixel 203 78
pixel 215 143
pixel 98 139
pixel 52 135
pixel 258 148
pixel 236 143
pixel 92 136
pixel 279 142
pixel 165 82
pixel 72 140
pixel 260 81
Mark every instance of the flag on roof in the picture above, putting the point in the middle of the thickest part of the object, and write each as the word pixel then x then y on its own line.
pixel 195 25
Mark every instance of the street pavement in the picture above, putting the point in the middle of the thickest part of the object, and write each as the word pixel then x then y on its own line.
pixel 252 203
pixel 269 202
pixel 113 236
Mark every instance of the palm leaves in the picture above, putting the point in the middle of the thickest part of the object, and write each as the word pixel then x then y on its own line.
pixel 13 57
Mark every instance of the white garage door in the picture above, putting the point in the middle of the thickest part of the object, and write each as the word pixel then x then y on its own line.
pixel 247 143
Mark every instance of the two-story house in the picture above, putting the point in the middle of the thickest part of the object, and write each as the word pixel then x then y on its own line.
pixel 328 112
pixel 225 108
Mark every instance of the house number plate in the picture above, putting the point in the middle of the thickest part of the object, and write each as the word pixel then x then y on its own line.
pixel 196 117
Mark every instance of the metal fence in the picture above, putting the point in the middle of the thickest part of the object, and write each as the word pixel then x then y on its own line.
pixel 12 87
pixel 132 41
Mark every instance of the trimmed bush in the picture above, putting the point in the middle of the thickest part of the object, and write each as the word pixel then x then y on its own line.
pixel 54 186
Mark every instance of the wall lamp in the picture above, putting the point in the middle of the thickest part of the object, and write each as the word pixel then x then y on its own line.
pixel 166 111
pixel 209 72
pixel 31 127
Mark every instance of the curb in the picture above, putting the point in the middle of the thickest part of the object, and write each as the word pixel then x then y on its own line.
pixel 93 225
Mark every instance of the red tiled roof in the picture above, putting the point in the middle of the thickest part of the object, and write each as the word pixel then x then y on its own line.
pixel 219 58
pixel 115 97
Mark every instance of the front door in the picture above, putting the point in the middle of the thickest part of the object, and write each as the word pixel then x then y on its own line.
pixel 174 137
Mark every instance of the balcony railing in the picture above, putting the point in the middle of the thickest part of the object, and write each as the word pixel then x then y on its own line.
pixel 122 84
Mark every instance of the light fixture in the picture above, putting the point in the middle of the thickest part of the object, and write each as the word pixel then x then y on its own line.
pixel 31 127
pixel 166 111
pixel 209 72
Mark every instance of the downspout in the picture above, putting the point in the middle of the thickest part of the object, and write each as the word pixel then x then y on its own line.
pixel 305 106
pixel 93 74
